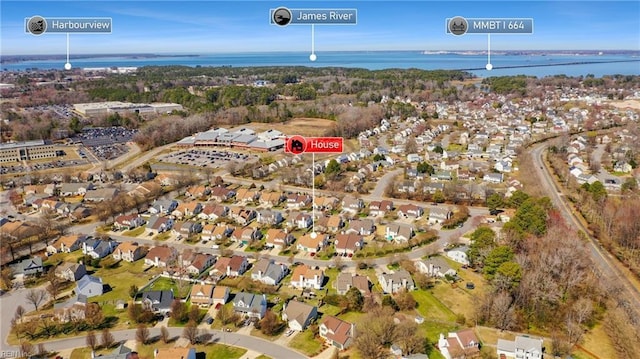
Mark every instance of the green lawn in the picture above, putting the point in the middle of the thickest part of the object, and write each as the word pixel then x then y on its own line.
pixel 72 257
pixel 121 277
pixel 85 353
pixel 430 307
pixel 163 283
pixel 134 232
pixel 162 236
pixel 213 351
pixel 306 343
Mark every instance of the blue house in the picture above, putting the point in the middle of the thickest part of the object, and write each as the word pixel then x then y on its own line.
pixel 89 286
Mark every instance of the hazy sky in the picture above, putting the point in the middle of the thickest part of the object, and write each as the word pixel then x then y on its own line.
pixel 243 26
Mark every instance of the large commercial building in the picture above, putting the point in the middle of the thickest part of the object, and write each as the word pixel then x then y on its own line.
pixel 271 140
pixel 95 109
pixel 25 151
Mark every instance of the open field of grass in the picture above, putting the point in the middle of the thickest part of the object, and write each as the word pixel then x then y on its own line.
pixel 306 343
pixel 312 126
pixel 134 232
pixel 121 278
pixel 431 307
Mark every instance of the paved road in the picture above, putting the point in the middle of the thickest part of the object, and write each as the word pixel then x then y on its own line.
pixel 383 183
pixel 216 336
pixel 8 304
pixel 604 261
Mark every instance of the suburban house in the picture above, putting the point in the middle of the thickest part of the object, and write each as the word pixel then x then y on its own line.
pixel 241 215
pixel 523 346
pixel 337 332
pixel 201 295
pixel 348 243
pixel 435 267
pixel 100 195
pixel 439 215
pixel 160 224
pixel 70 271
pixel 394 282
pixel 89 286
pixel 346 281
pixel 197 191
pixel 459 254
pixel 97 248
pixel 271 198
pixel 200 262
pixel 158 301
pixel 163 206
pixel 187 209
pixel 331 223
pixel 222 194
pixel 352 205
pixel 71 310
pixel 399 232
pixel 245 195
pixel 325 203
pixel 277 238
pixel 460 344
pixel 75 189
pixel 312 245
pixel 363 227
pixel 251 305
pixel 269 217
pixel 298 201
pixel 300 220
pixel 220 295
pixel 128 221
pixel 299 315
pixel 161 256
pixel 305 277
pixel 129 252
pixel 246 235
pixel 213 211
pixel 187 228
pixel 380 208
pixel 175 353
pixel 231 266
pixel 268 272
pixel 410 211
pixel 66 244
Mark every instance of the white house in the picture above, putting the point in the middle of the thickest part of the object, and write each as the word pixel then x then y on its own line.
pixel 524 347
pixel 459 255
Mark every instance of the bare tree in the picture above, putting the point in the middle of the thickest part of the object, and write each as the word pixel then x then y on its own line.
pixel 502 313
pixel 55 284
pixel 20 311
pixel 191 333
pixel 27 349
pixel 142 334
pixel 92 341
pixel 36 297
pixel 107 338
pixel 164 334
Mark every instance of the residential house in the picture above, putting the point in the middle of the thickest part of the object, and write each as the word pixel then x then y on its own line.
pixel 245 195
pixel 231 266
pixel 306 277
pixel 523 347
pixel 298 201
pixel 459 255
pixel 246 235
pixel 89 286
pixel 459 345
pixel 394 282
pixel 352 205
pixel 165 180
pixel 410 211
pixel 187 228
pixel 222 194
pixel 439 215
pixel 212 232
pixel 175 353
pixel 129 252
pixel 213 212
pixel 158 301
pixel 300 220
pixel 346 281
pixel 197 191
pixel 160 224
pixel 493 177
pixel 277 238
pixel 271 198
pixel 146 189
pixel 242 216
pixel 201 295
pixel 307 243
pixel 363 227
pixel 348 243
pixel 268 272
pixel 73 309
pixel 70 271
pixel 187 209
pixel 325 203
pixel 163 206
pixel 66 244
pixel 128 221
pixel 200 262
pixel 100 195
pixel 97 248
pixel 269 217
pixel 399 232
pixel 435 267
pixel 74 189
pixel 299 315
pixel 220 295
pixel 380 208
pixel 251 305
pixel 161 256
pixel 337 332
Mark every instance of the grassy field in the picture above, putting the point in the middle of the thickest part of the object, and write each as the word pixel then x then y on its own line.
pixel 312 126
pixel 121 278
pixel 214 351
pixel 431 307
pixel 134 232
pixel 306 343
pixel 597 341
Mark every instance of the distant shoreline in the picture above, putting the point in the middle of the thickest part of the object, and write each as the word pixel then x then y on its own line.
pixel 8 59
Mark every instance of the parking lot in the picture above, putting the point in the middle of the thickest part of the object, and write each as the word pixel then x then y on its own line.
pixel 6 169
pixel 206 158
pixel 106 143
pixel 60 111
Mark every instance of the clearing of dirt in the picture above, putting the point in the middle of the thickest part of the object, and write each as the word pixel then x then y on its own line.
pixel 633 104
pixel 298 126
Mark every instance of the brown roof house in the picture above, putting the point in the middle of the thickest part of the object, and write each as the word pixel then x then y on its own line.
pixel 337 332
pixel 312 245
pixel 348 243
pixel 129 252
pixel 306 277
pixel 346 281
pixel 202 295
pixel 459 345
pixel 277 238
pixel 161 256
pixel 66 244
